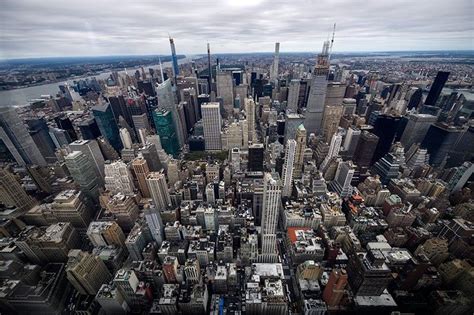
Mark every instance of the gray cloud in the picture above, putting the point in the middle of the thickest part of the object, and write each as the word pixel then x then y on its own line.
pixel 32 28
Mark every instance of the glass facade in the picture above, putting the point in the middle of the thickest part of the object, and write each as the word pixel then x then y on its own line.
pixel 166 129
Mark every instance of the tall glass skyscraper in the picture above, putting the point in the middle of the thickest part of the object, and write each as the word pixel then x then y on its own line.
pixel 17 139
pixel 166 129
pixel 107 125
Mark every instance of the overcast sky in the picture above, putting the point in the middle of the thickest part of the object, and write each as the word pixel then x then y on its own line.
pixel 38 28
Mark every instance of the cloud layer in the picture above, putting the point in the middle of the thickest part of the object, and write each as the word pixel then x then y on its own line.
pixel 32 28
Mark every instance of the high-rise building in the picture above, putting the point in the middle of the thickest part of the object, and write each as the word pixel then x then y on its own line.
pixel 92 150
pixel 211 119
pixel 166 129
pixel 86 272
pixel 141 170
pixel 332 116
pixel 83 172
pixel 48 244
pixel 436 87
pixel 270 210
pixel 39 132
pixel 125 138
pixel 368 273
pixel 299 152
pixel 72 206
pixel 334 148
pixel 166 102
pixel 13 194
pixel 174 59
pixel 276 58
pixel 127 283
pixel 292 122
pixel 351 140
pixel 225 89
pixel 440 141
pixel 287 174
pixel 15 136
pixel 365 150
pixel 387 168
pixel 416 129
pixel 192 271
pixel 334 290
pixel 111 300
pixel 104 233
pixel 107 125
pixel 158 188
pixel 293 95
pixel 343 178
pixel 255 157
pixel 317 93
pixel 250 112
pixel 89 129
pixel 386 127
pixel 118 178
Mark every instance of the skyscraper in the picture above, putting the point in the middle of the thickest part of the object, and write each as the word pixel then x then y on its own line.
pixel 82 171
pixel 416 129
pixel 166 129
pixel 86 272
pixel 334 148
pixel 299 152
pixel 270 210
pixel 255 157
pixel 317 93
pixel 211 120
pixel 158 188
pixel 118 178
pixel 342 180
pixel 13 194
pixel 92 150
pixel 386 127
pixel 436 87
pixel 39 132
pixel 16 138
pixel 287 174
pixel 351 141
pixel 440 141
pixel 276 58
pixel 293 95
pixel 125 138
pixel 365 150
pixel 225 89
pixel 387 168
pixel 174 59
pixel 250 112
pixel 332 116
pixel 108 126
pixel 140 168
pixel 166 101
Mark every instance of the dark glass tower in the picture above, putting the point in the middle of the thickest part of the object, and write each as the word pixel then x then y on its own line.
pixel 89 129
pixel 166 129
pixel 255 160
pixel 107 125
pixel 386 127
pixel 365 150
pixel 436 88
pixel 441 141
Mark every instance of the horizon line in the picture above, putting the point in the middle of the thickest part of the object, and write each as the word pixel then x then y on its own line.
pixel 230 53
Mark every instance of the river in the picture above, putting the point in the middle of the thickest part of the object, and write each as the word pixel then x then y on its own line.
pixel 21 97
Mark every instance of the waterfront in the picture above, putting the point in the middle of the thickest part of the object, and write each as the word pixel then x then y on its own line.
pixel 21 97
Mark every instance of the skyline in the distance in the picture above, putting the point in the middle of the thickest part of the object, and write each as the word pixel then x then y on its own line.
pixel 55 28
